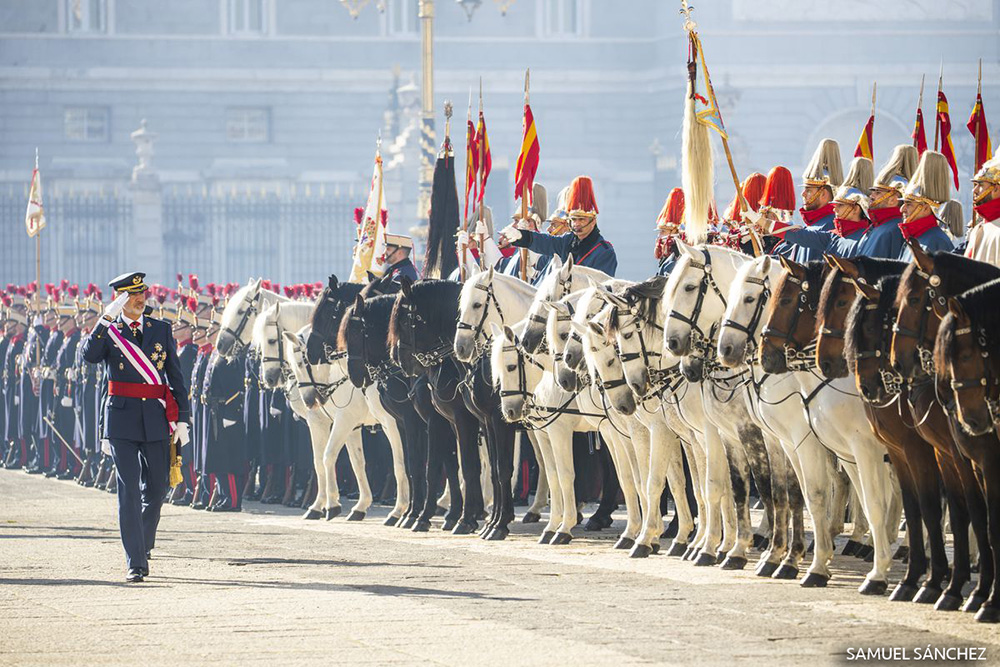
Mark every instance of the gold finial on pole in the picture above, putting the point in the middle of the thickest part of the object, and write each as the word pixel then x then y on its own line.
pixel 874 85
pixel 448 110
pixel 937 122
pixel 686 9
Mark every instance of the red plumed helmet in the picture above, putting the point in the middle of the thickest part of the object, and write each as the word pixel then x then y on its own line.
pixel 180 279
pixel 753 189
pixel 11 288
pixel 215 300
pixel 63 284
pixel 99 293
pixel 193 281
pixel 266 284
pixel 49 287
pixel 673 209
pixel 74 291
pixel 161 295
pixel 192 304
pixel 7 301
pixel 56 293
pixel 289 291
pixel 580 198
pixel 359 215
pixel 32 287
pixel 210 288
pixel 779 190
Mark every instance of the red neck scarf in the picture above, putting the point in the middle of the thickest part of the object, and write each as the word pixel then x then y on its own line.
pixel 990 210
pixel 883 215
pixel 844 228
pixel 814 216
pixel 206 348
pixel 915 228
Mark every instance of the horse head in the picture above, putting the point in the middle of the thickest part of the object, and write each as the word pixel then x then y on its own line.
pixel 866 336
pixel 791 320
pixel 556 284
pixel 236 323
pixel 748 298
pixel 477 310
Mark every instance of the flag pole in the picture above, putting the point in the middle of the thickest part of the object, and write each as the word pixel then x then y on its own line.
pixel 920 104
pixel 937 118
pixel 482 170
pixel 38 275
pixel 381 189
pixel 975 149
pixel 524 193
pixel 468 167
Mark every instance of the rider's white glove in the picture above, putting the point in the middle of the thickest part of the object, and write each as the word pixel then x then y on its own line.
pixel 482 229
pixel 114 309
pixel 66 402
pixel 183 433
pixel 463 239
pixel 275 412
pixel 524 223
pixel 226 423
pixel 511 233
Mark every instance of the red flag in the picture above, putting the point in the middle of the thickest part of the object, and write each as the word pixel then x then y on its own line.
pixel 471 164
pixel 919 138
pixel 944 123
pixel 483 145
pixel 977 126
pixel 866 145
pixel 527 161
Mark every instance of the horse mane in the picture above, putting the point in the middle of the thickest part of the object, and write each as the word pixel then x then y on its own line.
pixel 816 271
pixel 979 304
pixel 644 296
pixel 436 301
pixel 872 269
pixel 376 318
pixel 887 286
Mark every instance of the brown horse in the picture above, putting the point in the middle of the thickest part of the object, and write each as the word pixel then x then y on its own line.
pixel 868 330
pixel 966 337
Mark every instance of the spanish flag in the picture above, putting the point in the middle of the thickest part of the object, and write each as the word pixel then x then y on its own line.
pixel 471 164
pixel 527 161
pixel 944 124
pixel 483 146
pixel 918 136
pixel 34 218
pixel 866 144
pixel 977 126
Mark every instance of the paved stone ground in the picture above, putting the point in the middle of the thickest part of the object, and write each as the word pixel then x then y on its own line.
pixel 266 587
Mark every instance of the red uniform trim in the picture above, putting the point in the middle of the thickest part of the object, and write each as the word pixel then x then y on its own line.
pixel 602 243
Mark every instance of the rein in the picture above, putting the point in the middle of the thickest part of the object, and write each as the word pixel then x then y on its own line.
pixel 237 333
pixel 479 330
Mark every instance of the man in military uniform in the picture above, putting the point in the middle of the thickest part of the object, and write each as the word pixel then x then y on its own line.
pixel 225 455
pixel 822 177
pixel 147 399
pixel 28 388
pixel 86 393
pixel 984 238
pixel 51 449
pixel 397 259
pixel 16 331
pixel 203 337
pixel 62 389
pixel 926 192
pixel 584 241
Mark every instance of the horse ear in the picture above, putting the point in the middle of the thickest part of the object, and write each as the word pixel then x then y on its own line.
pixel 765 264
pixel 956 309
pixel 508 333
pixel 332 282
pixel 406 286
pixel 870 292
pixel 567 268
pixel 793 268
pixel 371 276
pixel 596 329
pixel 359 303
pixel 489 276
pixel 556 262
pixel 685 248
pixel 578 327
pixel 292 339
pixel 496 330
pixel 920 256
pixel 847 267
pixel 557 306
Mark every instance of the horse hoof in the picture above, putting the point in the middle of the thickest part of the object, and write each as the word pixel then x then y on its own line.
pixel 312 515
pixel 902 553
pixel 689 553
pixel 814 580
pixel 421 526
pixel 974 603
pixel 903 592
pixel 332 512
pixel 851 548
pixel 864 551
pixel 988 614
pixel 759 541
pixel 440 511
pixel 706 559
pixel 677 548
pixel 449 524
pixel 869 556
pixel 407 522
pixel 656 548
pixel 670 532
pixel 785 571
pixel 624 543
pixel 531 517
pixel 355 515
pixel 596 523
pixel 873 587
pixel 734 563
pixel 927 595
pixel 498 535
pixel 640 551
pixel 546 537
pixel 948 602
pixel 766 569
pixel 390 521
pixel 465 528
pixel 561 538
pixel 579 518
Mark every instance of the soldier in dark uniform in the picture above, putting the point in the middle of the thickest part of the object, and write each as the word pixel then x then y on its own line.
pixel 27 394
pixel 147 399
pixel 225 455
pixel 204 482
pixel 252 423
pixel 397 259
pixel 182 320
pixel 15 336
pixel 51 449
pixel 86 393
pixel 62 393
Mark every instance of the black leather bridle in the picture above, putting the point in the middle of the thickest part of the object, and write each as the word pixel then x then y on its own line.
pixel 707 281
pixel 237 333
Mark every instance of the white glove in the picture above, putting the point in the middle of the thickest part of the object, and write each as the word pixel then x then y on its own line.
pixel 525 224
pixel 463 239
pixel 106 446
pixel 226 423
pixel 275 412
pixel 17 400
pixel 490 252
pixel 482 229
pixel 114 309
pixel 66 402
pixel 183 433
pixel 511 233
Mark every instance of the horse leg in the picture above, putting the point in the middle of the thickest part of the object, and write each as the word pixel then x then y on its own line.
pixel 439 437
pixel 975 501
pixel 913 506
pixel 356 455
pixel 814 468
pixel 541 499
pixel 717 486
pixel 927 481
pixel 616 446
pixel 417 431
pixel 503 438
pixel 754 452
pixel 694 454
pixel 548 459
pixel 739 481
pixel 875 490
pixel 318 434
pixel 466 428
pixel 562 449
pixel 777 547
pixel 958 512
pixel 392 433
pixel 989 468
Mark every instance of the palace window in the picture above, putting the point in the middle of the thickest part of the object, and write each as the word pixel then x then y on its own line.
pixel 86 124
pixel 248 125
pixel 247 17
pixel 403 18
pixel 562 18
pixel 87 15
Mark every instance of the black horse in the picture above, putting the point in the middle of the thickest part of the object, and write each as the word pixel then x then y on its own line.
pixel 432 307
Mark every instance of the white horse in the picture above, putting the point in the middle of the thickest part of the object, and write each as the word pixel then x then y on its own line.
pixel 491 299
pixel 239 315
pixel 627 439
pixel 329 395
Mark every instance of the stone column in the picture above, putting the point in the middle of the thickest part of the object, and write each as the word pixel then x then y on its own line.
pixel 144 238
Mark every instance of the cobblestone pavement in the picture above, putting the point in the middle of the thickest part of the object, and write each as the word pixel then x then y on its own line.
pixel 266 587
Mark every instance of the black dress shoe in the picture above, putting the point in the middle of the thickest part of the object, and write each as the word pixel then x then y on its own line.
pixel 199 506
pixel 149 555
pixel 134 575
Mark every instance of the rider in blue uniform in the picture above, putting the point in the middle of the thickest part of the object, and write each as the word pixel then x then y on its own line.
pixel 136 422
pixel 884 237
pixel 925 193
pixel 668 225
pixel 819 181
pixel 584 242
pixel 397 259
